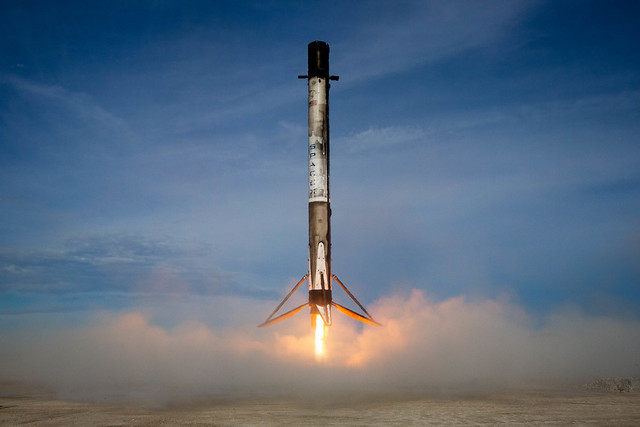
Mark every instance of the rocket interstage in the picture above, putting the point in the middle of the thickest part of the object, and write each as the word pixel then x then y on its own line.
pixel 319 275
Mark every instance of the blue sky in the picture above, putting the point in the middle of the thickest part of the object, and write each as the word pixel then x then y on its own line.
pixel 157 149
pixel 485 194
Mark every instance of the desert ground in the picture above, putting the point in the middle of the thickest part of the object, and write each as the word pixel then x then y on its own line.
pixel 577 406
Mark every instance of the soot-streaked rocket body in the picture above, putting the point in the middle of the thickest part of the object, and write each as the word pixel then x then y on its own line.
pixel 320 275
pixel 319 202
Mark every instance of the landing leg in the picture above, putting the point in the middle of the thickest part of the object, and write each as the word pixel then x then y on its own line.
pixel 288 314
pixel 351 313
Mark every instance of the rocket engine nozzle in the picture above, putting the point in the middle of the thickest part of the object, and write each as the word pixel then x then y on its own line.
pixel 320 303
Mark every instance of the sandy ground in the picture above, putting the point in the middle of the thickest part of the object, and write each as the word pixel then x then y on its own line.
pixel 578 407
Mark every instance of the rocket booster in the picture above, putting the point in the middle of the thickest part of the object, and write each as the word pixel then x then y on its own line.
pixel 319 202
pixel 320 275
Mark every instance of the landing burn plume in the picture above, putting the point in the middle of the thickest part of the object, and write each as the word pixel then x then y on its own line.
pixel 320 275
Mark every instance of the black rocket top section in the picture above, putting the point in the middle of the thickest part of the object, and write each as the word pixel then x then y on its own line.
pixel 318 61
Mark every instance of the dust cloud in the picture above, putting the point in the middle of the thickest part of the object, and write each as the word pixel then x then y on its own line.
pixel 424 346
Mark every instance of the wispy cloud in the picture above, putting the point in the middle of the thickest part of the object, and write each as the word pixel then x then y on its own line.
pixel 373 140
pixel 111 263
pixel 84 108
pixel 419 32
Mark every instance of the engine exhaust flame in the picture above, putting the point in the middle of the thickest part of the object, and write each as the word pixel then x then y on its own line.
pixel 321 336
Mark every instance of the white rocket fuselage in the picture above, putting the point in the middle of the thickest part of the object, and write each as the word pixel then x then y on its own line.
pixel 319 201
pixel 320 275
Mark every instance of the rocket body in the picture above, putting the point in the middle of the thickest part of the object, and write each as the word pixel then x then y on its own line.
pixel 319 201
pixel 320 276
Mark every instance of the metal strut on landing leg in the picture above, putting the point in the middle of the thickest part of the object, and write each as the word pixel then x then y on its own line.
pixel 288 314
pixel 368 319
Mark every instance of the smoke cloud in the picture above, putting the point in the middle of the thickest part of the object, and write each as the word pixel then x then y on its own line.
pixel 424 346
